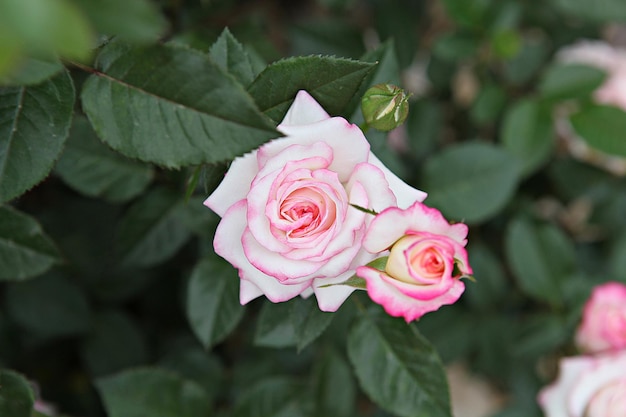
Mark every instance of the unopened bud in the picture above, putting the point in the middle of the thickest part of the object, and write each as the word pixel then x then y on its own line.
pixel 385 107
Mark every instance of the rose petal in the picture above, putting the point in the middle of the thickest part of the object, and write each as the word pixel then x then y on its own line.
pixel 553 399
pixel 235 184
pixel 331 298
pixel 248 291
pixel 304 110
pixel 228 245
pixel 603 371
pixel 274 264
pixel 347 141
pixel 393 223
pixel 405 194
pixel 396 303
pixel 374 182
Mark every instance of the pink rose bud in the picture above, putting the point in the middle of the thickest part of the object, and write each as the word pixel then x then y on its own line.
pixel 288 224
pixel 426 261
pixel 588 386
pixel 603 327
pixel 384 107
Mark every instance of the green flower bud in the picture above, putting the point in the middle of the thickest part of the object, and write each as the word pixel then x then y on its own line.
pixel 385 107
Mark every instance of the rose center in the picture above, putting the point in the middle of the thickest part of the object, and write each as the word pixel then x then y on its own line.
pixel 429 262
pixel 303 212
pixel 418 259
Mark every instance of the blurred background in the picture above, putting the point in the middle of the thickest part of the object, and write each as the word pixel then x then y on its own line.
pixel 517 126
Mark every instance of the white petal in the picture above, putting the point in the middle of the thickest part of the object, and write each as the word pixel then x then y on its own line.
pixel 405 194
pixel 304 110
pixel 235 184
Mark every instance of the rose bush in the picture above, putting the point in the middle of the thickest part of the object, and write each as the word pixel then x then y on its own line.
pixel 426 260
pixel 588 386
pixel 287 221
pixel 603 326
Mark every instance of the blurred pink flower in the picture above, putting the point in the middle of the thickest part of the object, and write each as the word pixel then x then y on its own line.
pixel 426 261
pixel 287 224
pixel 605 57
pixel 587 386
pixel 603 326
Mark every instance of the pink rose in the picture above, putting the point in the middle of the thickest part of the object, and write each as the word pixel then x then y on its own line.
pixel 603 326
pixel 588 386
pixel 287 223
pixel 426 261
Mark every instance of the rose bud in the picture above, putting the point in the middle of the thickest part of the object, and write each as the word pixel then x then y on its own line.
pixel 385 107
pixel 426 262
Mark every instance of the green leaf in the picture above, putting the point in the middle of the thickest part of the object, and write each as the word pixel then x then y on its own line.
pixel 46 27
pixel 492 286
pixel 308 321
pixel 334 388
pixel 331 81
pixel 527 133
pixel 472 181
pixel 25 250
pixel 101 351
pixel 172 106
pixel 535 51
pixel 152 392
pixel 31 71
pixel 135 21
pixel 152 230
pixel 617 258
pixel 398 368
pixel 424 126
pixel 274 327
pixel 94 170
pixel 396 19
pixel 541 335
pixel 573 179
pixel 230 55
pixel 506 43
pixel 34 123
pixel 49 306
pixel 468 13
pixel 10 53
pixel 452 331
pixel 541 257
pixel 326 35
pixel 488 104
pixel 213 307
pixel 197 365
pixel 602 127
pixel 570 81
pixel 276 397
pixel 456 46
pixel 603 11
pixel 16 395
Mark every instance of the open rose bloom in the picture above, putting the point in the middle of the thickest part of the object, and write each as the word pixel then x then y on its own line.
pixel 603 327
pixel 588 386
pixel 287 221
pixel 427 258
